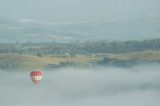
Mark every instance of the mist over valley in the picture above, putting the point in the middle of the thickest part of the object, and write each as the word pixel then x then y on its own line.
pixel 83 87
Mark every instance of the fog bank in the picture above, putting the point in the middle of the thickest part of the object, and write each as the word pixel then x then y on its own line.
pixel 137 86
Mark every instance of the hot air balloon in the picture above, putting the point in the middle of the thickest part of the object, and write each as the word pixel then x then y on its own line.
pixel 36 76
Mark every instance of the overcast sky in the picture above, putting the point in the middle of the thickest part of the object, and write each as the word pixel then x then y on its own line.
pixel 79 10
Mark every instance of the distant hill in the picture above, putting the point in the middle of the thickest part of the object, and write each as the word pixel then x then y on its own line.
pixel 36 31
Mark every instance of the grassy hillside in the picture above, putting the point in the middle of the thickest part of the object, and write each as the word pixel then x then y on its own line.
pixel 145 55
pixel 131 59
pixel 28 61
pixel 13 61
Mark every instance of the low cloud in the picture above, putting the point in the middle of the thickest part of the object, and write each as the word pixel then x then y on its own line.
pixel 112 86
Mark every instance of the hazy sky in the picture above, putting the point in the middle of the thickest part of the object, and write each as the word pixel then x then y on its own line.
pixel 79 10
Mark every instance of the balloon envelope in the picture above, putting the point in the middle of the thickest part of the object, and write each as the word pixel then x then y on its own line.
pixel 36 76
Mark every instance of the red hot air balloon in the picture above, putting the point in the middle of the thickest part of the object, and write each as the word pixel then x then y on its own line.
pixel 36 76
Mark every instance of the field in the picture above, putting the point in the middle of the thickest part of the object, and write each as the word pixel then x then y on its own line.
pixel 28 61
pixel 13 61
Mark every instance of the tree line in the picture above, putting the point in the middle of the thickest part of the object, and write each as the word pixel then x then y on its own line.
pixel 52 48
